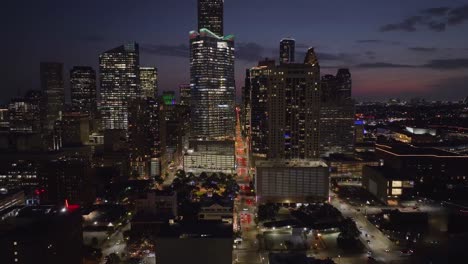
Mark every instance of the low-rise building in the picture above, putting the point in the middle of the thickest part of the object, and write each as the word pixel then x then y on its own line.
pixel 292 181
pixel 388 185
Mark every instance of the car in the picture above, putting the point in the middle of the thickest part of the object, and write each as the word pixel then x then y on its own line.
pixel 365 235
pixel 387 250
pixel 368 241
pixel 369 253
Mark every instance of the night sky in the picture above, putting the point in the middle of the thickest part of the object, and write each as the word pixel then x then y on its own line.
pixel 395 48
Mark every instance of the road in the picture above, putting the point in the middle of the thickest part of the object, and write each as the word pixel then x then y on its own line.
pixel 379 243
pixel 115 244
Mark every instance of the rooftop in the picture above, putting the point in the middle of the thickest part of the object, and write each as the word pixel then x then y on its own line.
pixel 197 229
pixel 300 163
pixel 412 151
pixel 388 173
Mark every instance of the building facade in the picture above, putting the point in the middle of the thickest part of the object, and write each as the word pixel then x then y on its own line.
pixel 211 16
pixel 120 83
pixel 212 84
pixel 291 181
pixel 149 81
pixel 83 90
pixel 287 50
pixel 52 86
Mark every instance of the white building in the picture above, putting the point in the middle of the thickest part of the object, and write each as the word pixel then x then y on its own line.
pixel 292 181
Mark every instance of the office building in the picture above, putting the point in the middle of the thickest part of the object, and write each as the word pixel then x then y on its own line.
pixel 210 16
pixel 213 84
pixel 83 90
pixel 210 157
pixel 291 181
pixel 120 83
pixel 287 50
pixel 42 234
pixel 203 242
pixel 337 114
pixel 256 89
pixel 24 115
pixel 149 81
pixel 388 185
pixel 185 94
pixel 293 109
pixel 75 129
pixel 145 134
pixel 52 86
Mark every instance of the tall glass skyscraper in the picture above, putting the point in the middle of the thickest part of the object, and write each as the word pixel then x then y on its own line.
pixel 210 15
pixel 53 89
pixel 287 50
pixel 120 83
pixel 149 81
pixel 212 76
pixel 83 89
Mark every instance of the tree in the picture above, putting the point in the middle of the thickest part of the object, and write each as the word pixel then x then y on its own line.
pixel 159 180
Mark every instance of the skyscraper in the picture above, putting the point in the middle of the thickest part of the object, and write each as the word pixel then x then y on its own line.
pixel 53 89
pixel 293 109
pixel 83 89
pixel 287 50
pixel 212 74
pixel 257 86
pixel 149 81
pixel 185 94
pixel 120 83
pixel 336 114
pixel 210 16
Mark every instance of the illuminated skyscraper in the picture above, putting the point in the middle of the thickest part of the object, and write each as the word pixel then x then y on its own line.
pixel 120 83
pixel 210 16
pixel 53 89
pixel 212 74
pixel 83 90
pixel 257 87
pixel 149 81
pixel 287 50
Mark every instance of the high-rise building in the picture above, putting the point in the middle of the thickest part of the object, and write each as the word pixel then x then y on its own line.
pixel 336 114
pixel 287 50
pixel 213 84
pixel 120 83
pixel 293 109
pixel 149 81
pixel 144 134
pixel 257 110
pixel 83 90
pixel 24 115
pixel 210 16
pixel 185 94
pixel 53 89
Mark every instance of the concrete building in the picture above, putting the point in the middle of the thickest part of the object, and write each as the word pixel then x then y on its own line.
pixel 388 185
pixel 157 202
pixel 210 157
pixel 202 242
pixel 292 181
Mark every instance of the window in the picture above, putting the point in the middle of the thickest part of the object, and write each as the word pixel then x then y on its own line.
pixel 396 191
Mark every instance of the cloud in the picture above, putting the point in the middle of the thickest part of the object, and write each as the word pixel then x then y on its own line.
pixel 166 50
pixel 409 24
pixel 435 19
pixel 436 11
pixel 447 64
pixel 370 54
pixel 344 57
pixel 383 65
pixel 458 15
pixel 440 64
pixel 369 41
pixel 249 51
pixel 422 49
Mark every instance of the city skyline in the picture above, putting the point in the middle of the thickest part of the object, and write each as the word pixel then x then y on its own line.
pixel 398 49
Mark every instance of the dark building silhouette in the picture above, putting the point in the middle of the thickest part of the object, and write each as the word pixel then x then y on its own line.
pixel 287 50
pixel 83 90
pixel 52 86
pixel 42 234
pixel 210 15
pixel 337 114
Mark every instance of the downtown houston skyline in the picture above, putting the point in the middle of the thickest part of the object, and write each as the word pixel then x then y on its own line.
pixel 396 49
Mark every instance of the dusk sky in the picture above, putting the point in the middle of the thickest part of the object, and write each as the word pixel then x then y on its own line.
pixel 395 48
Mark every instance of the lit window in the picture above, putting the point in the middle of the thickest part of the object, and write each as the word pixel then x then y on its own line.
pixel 396 191
pixel 397 184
